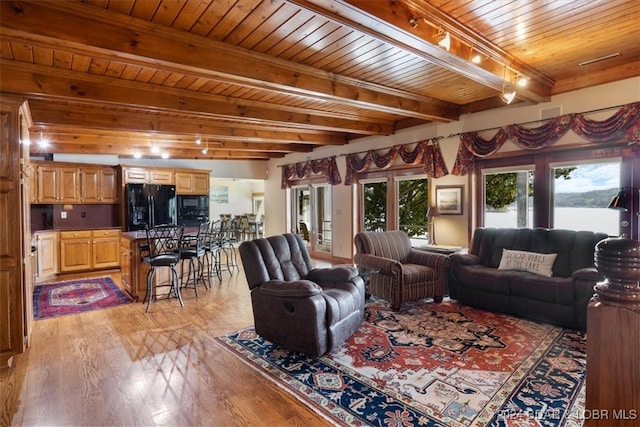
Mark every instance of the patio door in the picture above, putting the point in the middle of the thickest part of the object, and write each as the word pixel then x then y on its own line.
pixel 312 217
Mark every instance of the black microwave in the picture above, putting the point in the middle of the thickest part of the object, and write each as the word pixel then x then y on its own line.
pixel 193 205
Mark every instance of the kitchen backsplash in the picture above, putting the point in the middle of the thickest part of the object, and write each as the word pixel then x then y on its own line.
pixel 74 217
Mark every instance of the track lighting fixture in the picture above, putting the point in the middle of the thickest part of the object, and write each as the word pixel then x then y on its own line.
pixel 444 39
pixel 507 98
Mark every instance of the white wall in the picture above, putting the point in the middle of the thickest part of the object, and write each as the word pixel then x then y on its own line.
pixel 240 196
pixel 451 230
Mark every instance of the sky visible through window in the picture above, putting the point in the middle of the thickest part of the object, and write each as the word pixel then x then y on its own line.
pixel 602 176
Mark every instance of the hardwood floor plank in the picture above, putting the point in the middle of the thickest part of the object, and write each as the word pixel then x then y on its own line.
pixel 122 366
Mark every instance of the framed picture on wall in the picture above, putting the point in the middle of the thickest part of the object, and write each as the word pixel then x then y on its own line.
pixel 449 199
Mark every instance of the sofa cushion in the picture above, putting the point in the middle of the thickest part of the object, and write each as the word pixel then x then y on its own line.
pixel 532 262
pixel 483 278
pixel 556 290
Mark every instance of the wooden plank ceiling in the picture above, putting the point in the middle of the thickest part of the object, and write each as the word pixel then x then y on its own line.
pixel 256 79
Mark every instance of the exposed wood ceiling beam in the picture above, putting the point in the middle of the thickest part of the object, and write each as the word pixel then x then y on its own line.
pixel 65 84
pixel 389 21
pixel 69 116
pixel 212 153
pixel 59 136
pixel 136 40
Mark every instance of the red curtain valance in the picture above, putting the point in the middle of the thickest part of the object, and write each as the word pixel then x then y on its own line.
pixel 301 170
pixel 625 122
pixel 426 153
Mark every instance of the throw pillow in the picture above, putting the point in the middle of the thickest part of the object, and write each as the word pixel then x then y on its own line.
pixel 532 262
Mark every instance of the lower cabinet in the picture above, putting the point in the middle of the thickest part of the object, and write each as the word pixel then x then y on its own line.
pixel 75 251
pixel 105 249
pixel 47 255
pixel 89 250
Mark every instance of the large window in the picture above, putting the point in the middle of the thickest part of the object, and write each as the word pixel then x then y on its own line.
pixel 565 189
pixel 508 198
pixel 582 194
pixel 397 200
pixel 374 205
pixel 413 204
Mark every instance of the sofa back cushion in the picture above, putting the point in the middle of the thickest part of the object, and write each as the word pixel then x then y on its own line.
pixel 575 249
pixel 280 257
pixel 387 244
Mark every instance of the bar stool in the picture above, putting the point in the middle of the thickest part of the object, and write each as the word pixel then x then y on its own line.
pixel 193 249
pixel 163 250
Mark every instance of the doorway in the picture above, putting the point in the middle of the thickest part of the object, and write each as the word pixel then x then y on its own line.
pixel 312 218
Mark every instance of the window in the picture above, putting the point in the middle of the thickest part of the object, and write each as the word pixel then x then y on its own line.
pixel 566 189
pixel 412 206
pixel 582 194
pixel 374 205
pixel 508 198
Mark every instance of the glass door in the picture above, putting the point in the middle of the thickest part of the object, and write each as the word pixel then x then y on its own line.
pixel 321 206
pixel 302 213
pixel 312 217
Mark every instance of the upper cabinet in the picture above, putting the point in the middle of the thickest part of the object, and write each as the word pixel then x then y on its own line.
pixel 74 184
pixel 192 182
pixel 58 184
pixel 187 181
pixel 99 184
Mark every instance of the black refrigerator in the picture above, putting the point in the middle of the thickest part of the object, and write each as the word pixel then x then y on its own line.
pixel 149 205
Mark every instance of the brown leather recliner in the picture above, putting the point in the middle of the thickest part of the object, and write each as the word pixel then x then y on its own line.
pixel 310 310
pixel 399 273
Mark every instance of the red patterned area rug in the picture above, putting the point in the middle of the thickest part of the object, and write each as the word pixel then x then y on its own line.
pixel 76 296
pixel 434 365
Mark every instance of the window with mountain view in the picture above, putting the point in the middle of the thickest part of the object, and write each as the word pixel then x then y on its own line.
pixel 582 194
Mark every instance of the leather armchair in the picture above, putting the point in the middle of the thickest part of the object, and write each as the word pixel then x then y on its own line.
pixel 310 310
pixel 399 273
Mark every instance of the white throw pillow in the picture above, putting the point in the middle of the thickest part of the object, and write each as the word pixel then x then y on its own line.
pixel 527 261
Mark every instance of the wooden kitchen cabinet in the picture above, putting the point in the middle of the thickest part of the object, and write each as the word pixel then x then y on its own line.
pixel 89 250
pixel 105 248
pixel 47 255
pixel 144 175
pixel 125 264
pixel 98 184
pixel 196 183
pixel 75 251
pixel 161 176
pixel 58 184
pixel 135 175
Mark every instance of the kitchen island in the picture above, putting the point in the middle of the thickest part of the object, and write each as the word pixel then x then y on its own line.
pixel 133 269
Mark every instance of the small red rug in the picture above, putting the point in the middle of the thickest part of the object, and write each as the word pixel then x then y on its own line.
pixel 76 296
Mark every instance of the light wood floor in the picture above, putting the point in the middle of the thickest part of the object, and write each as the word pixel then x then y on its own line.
pixel 121 366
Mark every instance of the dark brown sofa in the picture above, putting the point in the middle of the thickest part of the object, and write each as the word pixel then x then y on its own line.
pixel 311 310
pixel 561 299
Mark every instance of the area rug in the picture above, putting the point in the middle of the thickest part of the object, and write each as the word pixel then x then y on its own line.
pixel 434 365
pixel 76 296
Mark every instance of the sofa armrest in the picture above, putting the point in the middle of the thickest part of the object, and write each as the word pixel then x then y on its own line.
pixel 335 274
pixel 293 289
pixel 376 263
pixel 587 274
pixel 468 259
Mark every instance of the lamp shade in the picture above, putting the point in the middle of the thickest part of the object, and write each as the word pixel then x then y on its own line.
pixel 619 202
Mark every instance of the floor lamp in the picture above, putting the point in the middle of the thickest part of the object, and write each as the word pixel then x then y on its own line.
pixel 432 213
